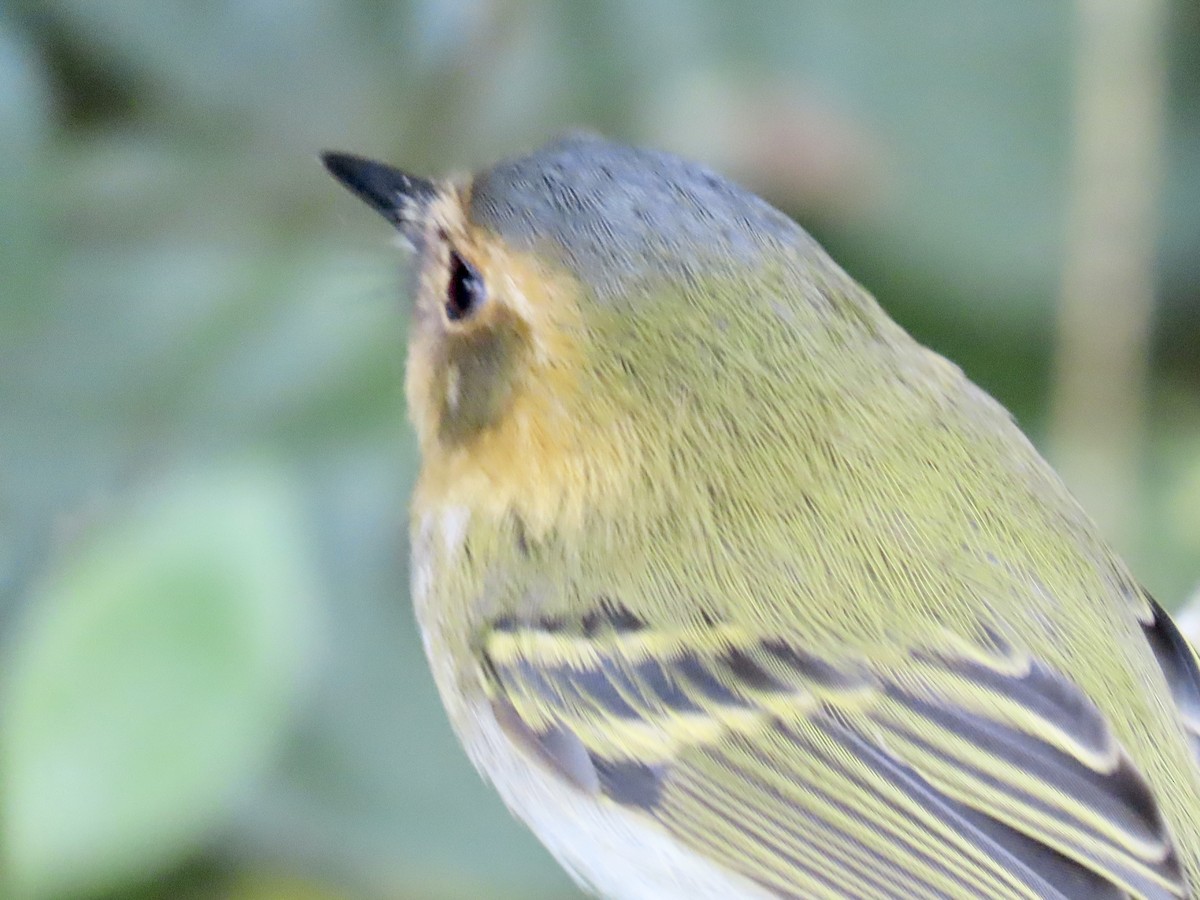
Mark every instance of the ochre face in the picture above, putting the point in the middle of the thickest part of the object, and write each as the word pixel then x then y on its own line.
pixel 497 381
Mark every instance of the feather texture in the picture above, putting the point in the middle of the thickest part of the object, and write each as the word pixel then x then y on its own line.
pixel 984 774
pixel 711 557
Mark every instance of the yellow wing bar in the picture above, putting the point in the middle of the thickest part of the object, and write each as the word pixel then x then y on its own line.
pixel 979 773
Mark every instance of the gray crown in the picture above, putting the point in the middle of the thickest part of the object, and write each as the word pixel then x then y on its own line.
pixel 617 216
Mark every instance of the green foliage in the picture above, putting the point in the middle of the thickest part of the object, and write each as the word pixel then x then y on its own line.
pixel 154 674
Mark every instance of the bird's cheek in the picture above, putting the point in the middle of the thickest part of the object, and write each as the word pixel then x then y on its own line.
pixel 475 385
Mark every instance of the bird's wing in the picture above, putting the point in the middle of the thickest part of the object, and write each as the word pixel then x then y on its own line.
pixel 1180 665
pixel 978 773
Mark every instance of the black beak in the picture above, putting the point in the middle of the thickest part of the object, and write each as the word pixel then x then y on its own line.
pixel 398 197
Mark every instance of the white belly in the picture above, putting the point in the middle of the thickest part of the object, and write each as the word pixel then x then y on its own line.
pixel 608 849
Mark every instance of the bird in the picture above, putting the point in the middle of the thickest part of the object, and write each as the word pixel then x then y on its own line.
pixel 732 589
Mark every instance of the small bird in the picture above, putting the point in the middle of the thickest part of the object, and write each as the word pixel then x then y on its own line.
pixel 734 590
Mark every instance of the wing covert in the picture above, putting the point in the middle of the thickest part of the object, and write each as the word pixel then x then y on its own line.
pixel 979 773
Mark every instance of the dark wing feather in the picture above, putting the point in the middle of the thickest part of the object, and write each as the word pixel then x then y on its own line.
pixel 981 774
pixel 1177 658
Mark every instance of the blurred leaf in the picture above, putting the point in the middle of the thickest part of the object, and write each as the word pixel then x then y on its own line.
pixel 152 677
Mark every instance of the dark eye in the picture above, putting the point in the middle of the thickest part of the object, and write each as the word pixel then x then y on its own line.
pixel 465 293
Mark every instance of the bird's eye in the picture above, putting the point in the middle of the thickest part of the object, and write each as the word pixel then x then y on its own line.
pixel 465 292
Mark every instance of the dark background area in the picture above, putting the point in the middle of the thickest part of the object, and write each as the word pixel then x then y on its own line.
pixel 210 682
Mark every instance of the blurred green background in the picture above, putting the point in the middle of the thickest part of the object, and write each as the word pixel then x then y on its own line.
pixel 210 682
